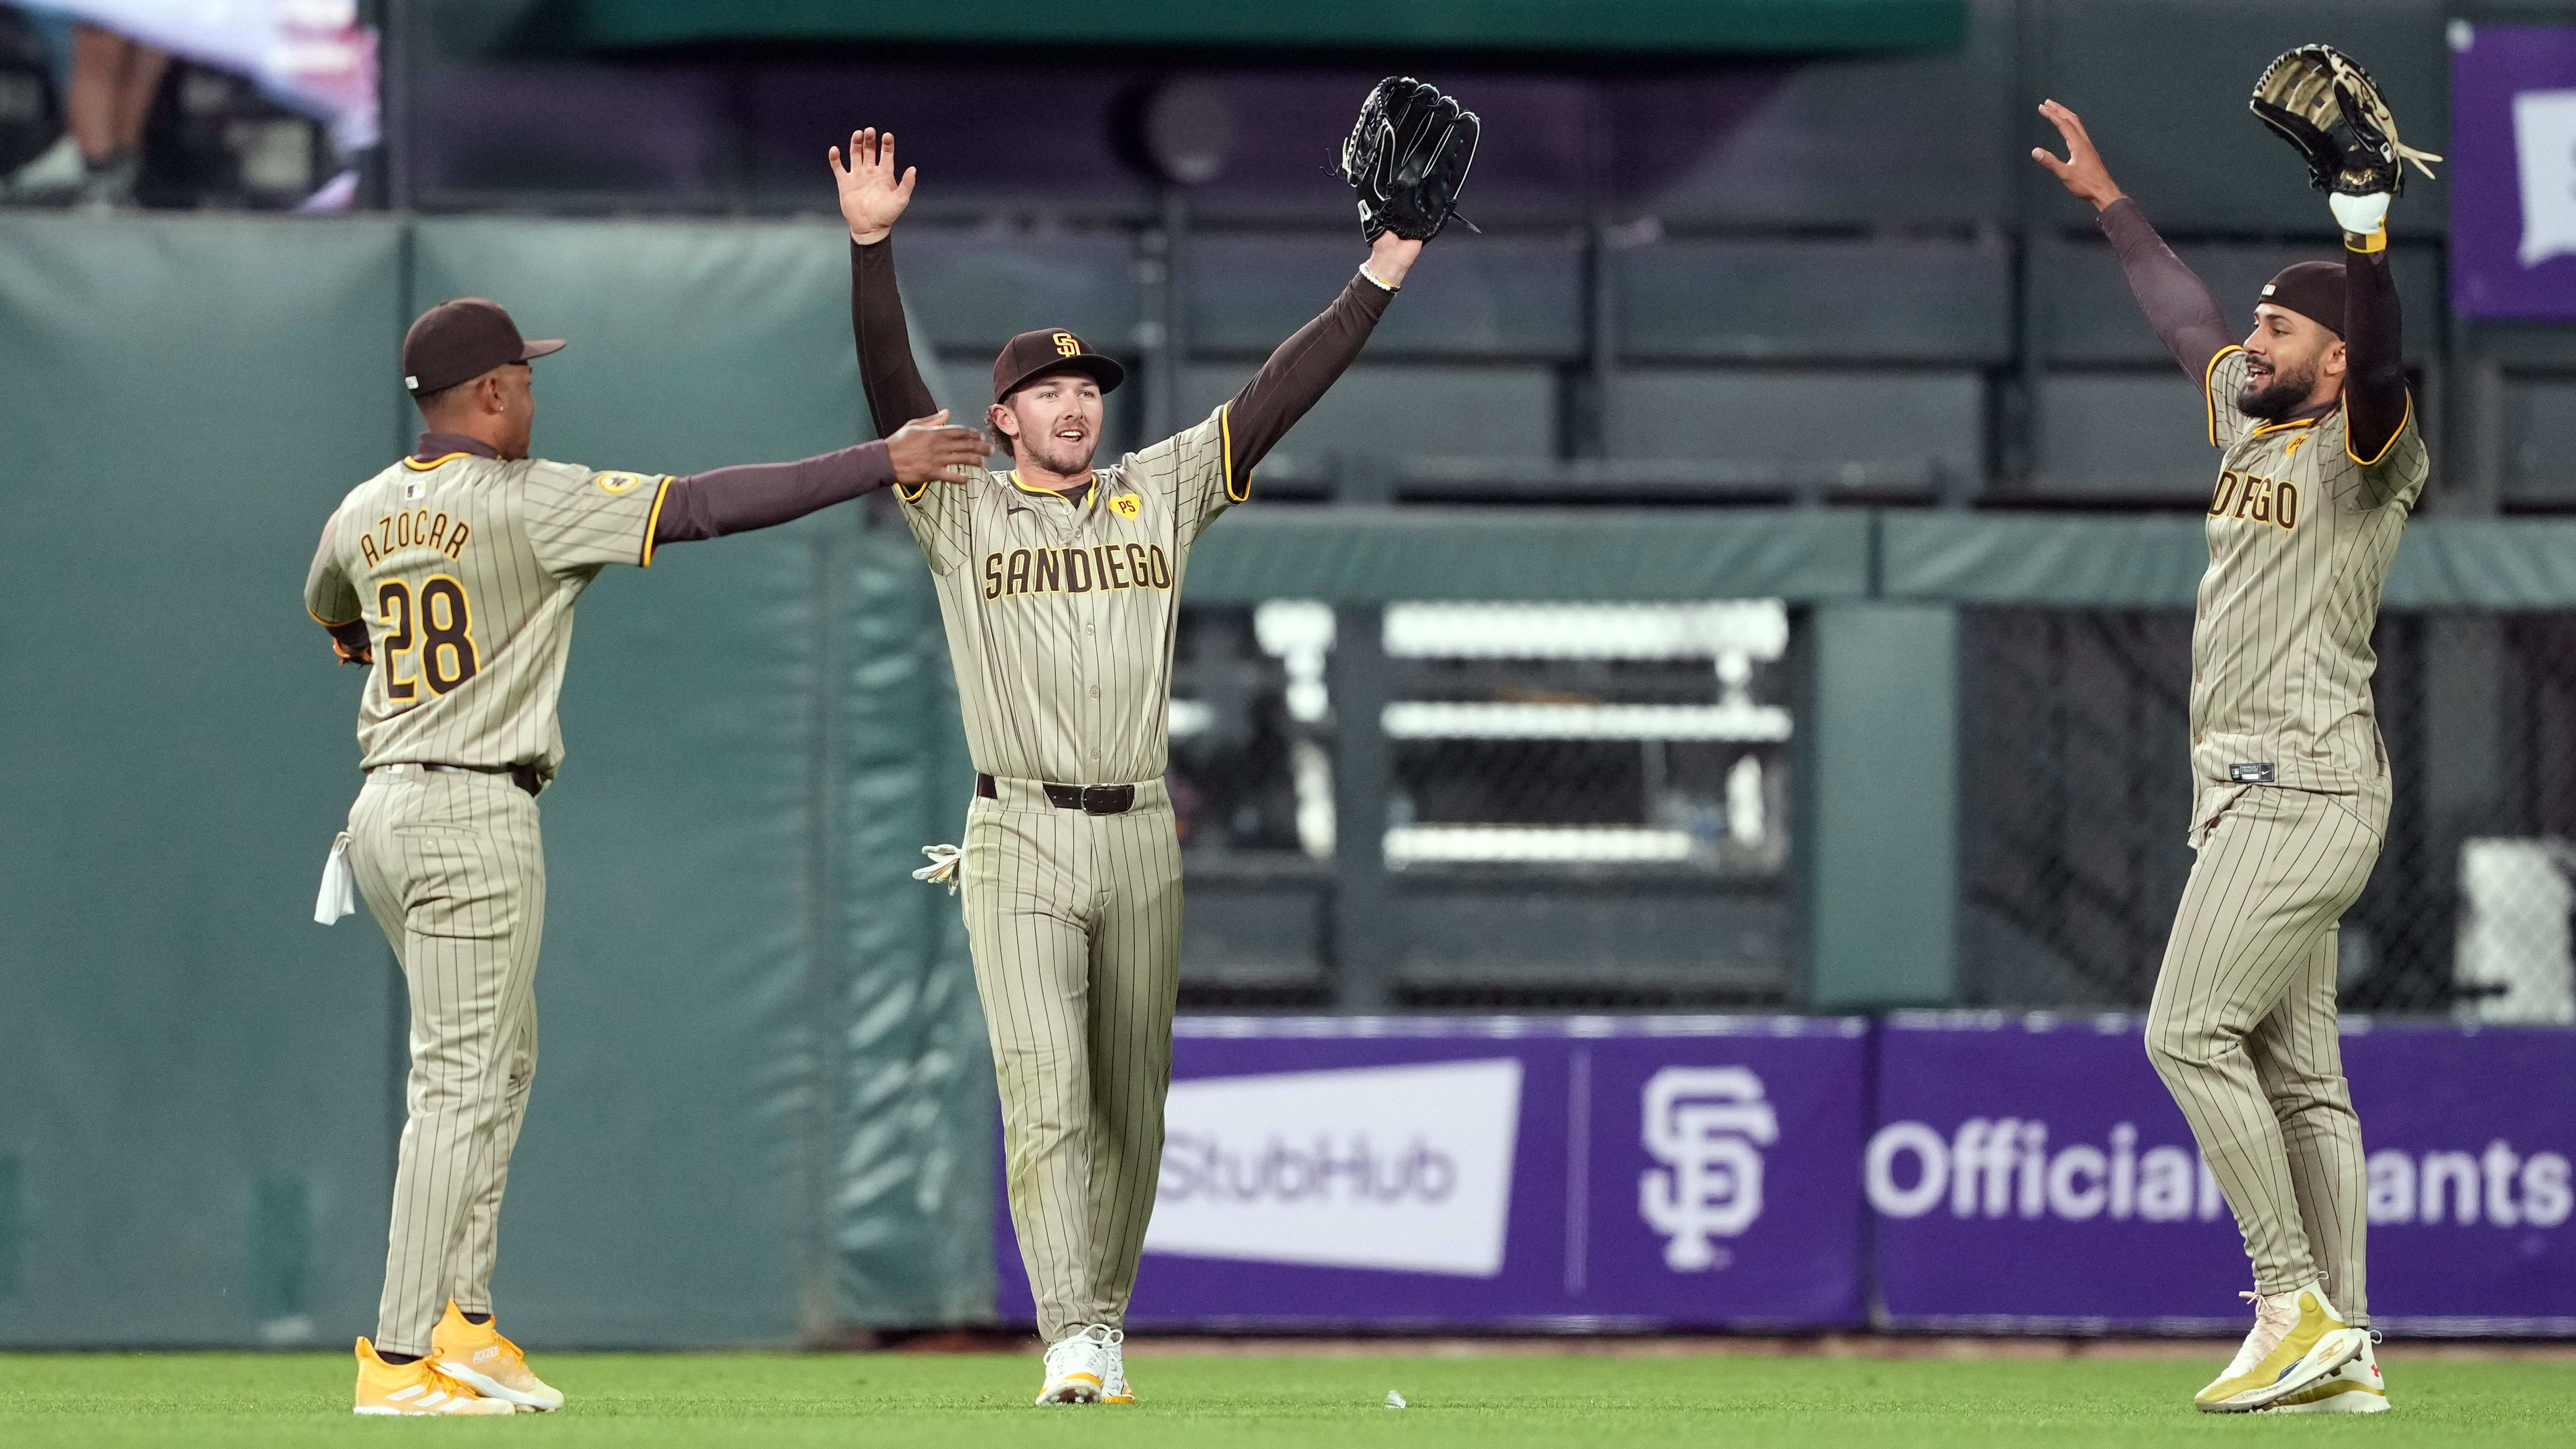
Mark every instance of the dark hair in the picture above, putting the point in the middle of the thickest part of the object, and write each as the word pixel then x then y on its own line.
pixel 428 402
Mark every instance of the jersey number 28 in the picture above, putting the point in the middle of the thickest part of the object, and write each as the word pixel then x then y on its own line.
pixel 439 626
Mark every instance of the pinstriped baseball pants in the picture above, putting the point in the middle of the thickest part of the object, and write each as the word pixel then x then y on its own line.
pixel 2244 1033
pixel 454 871
pixel 1075 925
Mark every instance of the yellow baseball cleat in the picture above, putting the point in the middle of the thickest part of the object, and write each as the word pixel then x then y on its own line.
pixel 2356 1388
pixel 416 1388
pixel 479 1355
pixel 2297 1340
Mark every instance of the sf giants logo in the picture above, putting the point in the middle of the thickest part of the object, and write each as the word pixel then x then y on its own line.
pixel 1067 345
pixel 2263 500
pixel 1706 1124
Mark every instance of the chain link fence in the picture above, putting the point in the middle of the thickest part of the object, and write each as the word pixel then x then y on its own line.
pixel 2075 732
pixel 1583 804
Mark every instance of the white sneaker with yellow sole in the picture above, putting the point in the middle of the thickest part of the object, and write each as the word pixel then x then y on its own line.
pixel 2356 1388
pixel 2298 1338
pixel 1078 1369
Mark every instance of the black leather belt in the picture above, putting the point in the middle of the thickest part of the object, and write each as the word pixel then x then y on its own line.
pixel 523 776
pixel 1089 799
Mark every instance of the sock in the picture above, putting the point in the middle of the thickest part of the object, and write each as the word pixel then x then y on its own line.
pixel 398 1358
pixel 474 1318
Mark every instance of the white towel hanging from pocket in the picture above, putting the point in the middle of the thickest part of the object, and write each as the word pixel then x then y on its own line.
pixel 339 894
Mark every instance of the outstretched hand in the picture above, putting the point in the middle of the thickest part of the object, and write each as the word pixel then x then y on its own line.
pixel 871 195
pixel 2082 171
pixel 927 450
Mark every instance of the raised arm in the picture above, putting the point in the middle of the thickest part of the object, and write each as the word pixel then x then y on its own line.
pixel 2374 392
pixel 1298 373
pixel 871 199
pixel 2178 305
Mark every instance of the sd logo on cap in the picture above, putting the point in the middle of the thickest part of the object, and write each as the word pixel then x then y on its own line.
pixel 1046 352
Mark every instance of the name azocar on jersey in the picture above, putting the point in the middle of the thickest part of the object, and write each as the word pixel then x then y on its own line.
pixel 1102 567
pixel 414 528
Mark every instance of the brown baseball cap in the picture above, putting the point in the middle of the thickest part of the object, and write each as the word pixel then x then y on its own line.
pixel 2314 290
pixel 461 340
pixel 1033 355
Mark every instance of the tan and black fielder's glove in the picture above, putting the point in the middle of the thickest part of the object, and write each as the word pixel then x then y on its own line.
pixel 2330 111
pixel 1407 159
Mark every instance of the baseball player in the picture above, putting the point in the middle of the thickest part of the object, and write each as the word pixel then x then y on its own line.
pixel 2320 461
pixel 452 575
pixel 1059 584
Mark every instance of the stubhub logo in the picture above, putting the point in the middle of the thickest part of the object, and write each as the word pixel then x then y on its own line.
pixel 1406 1168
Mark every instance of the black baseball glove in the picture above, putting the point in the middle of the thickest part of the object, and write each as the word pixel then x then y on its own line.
pixel 1408 157
pixel 2327 107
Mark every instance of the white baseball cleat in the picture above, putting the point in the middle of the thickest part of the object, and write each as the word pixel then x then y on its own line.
pixel 1078 1369
pixel 2298 1339
pixel 1117 1390
pixel 2356 1388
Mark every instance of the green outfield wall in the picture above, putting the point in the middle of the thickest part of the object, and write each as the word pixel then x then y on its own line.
pixel 764 1104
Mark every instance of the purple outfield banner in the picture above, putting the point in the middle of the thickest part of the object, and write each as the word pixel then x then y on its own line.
pixel 2030 1173
pixel 2512 171
pixel 1539 1172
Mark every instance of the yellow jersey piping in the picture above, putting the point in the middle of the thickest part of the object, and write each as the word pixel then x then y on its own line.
pixel 653 523
pixel 2208 375
pixel 2403 419
pixel 2293 423
pixel 1023 486
pixel 327 624
pixel 417 466
pixel 1225 432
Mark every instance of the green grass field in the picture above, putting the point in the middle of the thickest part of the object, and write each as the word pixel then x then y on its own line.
pixel 1216 1401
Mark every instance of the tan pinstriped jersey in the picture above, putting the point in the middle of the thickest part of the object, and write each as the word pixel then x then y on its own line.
pixel 1061 612
pixel 2301 534
pixel 466 570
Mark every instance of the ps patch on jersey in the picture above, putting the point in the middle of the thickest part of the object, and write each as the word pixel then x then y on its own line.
pixel 1127 505
pixel 616 483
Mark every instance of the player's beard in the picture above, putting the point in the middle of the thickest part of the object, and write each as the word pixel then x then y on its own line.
pixel 2286 393
pixel 1060 457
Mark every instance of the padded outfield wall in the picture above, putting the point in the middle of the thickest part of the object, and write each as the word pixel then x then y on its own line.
pixel 764 1102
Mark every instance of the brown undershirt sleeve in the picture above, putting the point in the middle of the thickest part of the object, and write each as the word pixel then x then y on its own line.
pixel 1298 373
pixel 887 374
pixel 352 636
pixel 2186 318
pixel 2375 353
pixel 759 495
